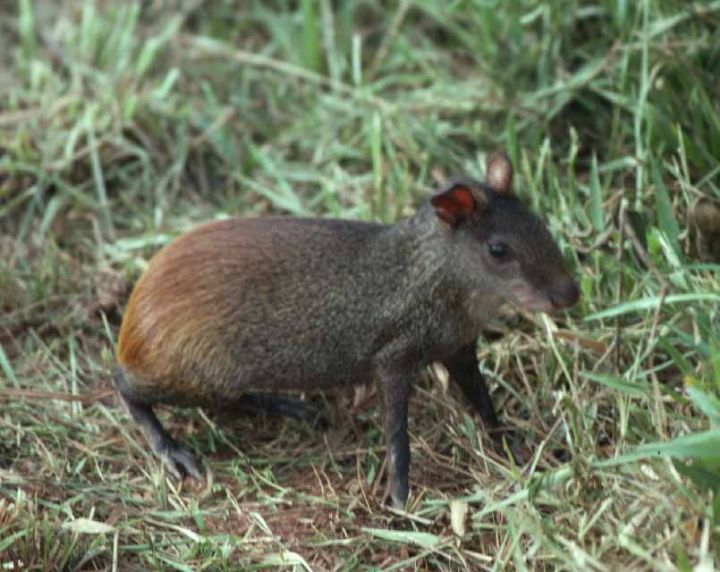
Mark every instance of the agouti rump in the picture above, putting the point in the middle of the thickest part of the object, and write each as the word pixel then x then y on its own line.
pixel 238 309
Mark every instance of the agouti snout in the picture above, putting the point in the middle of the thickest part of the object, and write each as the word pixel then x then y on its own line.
pixel 236 310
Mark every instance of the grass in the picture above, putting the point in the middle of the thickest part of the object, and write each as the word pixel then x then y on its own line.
pixel 122 125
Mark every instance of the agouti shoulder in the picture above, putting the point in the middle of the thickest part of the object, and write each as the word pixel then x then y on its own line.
pixel 273 304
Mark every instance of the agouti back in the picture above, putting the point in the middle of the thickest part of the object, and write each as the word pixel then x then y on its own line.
pixel 249 305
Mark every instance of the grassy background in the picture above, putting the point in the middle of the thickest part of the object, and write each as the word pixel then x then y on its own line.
pixel 123 124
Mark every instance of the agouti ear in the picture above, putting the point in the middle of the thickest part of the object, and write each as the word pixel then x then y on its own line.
pixel 499 172
pixel 455 204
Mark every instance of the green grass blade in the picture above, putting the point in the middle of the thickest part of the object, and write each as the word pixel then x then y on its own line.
pixel 703 445
pixel 595 206
pixel 651 303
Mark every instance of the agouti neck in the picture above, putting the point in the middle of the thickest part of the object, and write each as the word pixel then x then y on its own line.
pixel 414 261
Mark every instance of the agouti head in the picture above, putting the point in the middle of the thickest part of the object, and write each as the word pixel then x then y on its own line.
pixel 499 249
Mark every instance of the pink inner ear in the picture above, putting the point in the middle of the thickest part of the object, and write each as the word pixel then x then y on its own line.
pixel 464 198
pixel 454 205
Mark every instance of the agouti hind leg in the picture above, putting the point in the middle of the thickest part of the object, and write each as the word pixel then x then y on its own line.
pixel 178 460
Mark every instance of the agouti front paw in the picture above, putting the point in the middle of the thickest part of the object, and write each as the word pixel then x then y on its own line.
pixel 501 438
pixel 399 497
pixel 397 493
pixel 180 462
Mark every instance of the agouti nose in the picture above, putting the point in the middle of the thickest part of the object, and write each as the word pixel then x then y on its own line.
pixel 565 294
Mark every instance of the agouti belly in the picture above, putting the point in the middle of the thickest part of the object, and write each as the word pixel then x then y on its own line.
pixel 233 306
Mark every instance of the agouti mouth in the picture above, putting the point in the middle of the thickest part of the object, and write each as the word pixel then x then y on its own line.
pixel 530 300
pixel 537 305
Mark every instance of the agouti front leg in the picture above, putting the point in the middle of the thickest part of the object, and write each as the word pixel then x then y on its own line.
pixel 464 370
pixel 178 460
pixel 395 391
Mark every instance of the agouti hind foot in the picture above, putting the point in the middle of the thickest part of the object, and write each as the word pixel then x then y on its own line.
pixel 177 459
pixel 280 406
pixel 180 462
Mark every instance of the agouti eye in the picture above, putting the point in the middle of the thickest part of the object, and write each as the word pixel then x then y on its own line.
pixel 499 251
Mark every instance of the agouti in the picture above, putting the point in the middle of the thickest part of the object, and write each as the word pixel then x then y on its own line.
pixel 281 304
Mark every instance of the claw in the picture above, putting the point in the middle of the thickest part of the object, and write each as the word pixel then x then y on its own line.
pixel 181 463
